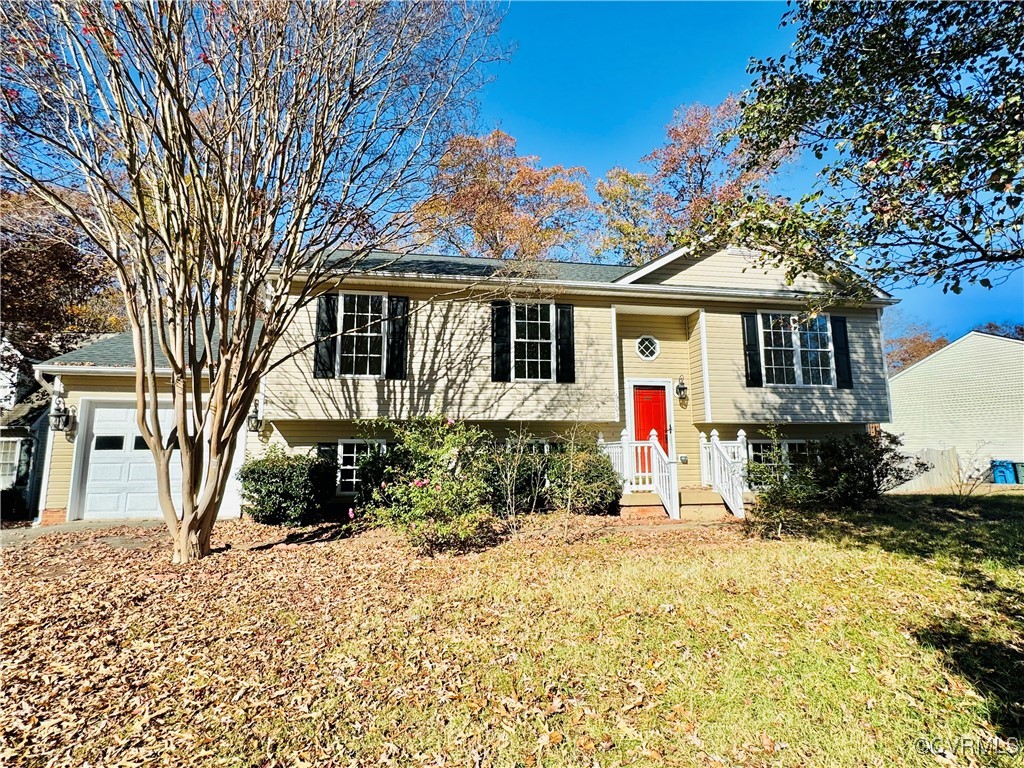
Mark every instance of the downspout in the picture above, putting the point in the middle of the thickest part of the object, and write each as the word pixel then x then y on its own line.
pixel 47 448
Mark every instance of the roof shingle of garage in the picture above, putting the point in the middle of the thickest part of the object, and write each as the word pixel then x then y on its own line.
pixel 115 351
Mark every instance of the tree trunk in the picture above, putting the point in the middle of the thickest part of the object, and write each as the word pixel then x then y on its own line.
pixel 189 543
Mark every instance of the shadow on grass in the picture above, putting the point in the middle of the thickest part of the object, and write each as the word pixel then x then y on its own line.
pixel 994 667
pixel 315 534
pixel 976 543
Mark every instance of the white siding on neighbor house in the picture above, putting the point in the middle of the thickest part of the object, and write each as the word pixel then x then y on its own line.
pixel 968 396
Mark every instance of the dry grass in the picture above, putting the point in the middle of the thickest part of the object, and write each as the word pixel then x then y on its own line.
pixel 621 648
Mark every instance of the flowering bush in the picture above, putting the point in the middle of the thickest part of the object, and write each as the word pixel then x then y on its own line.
pixel 432 484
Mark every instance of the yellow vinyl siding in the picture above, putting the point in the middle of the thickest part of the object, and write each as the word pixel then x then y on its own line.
pixel 732 401
pixel 696 381
pixel 673 361
pixel 303 436
pixel 449 370
pixel 732 268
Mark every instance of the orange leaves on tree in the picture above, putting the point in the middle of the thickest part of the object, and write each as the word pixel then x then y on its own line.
pixel 489 201
pixel 703 164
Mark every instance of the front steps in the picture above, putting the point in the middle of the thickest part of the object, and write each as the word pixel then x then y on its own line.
pixel 697 505
pixel 702 505
pixel 642 506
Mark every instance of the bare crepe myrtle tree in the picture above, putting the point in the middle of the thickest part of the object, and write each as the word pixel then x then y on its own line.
pixel 237 156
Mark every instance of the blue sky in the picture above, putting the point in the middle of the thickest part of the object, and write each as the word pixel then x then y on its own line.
pixel 594 84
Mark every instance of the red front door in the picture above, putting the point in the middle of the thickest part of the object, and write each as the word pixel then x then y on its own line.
pixel 649 413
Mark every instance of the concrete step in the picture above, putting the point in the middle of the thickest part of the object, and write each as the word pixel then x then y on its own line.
pixel 704 513
pixel 700 496
pixel 643 513
pixel 641 506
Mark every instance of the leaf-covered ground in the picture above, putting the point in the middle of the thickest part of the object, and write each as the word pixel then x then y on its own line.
pixel 653 647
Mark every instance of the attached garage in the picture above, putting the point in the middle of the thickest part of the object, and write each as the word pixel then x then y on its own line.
pixel 120 477
pixel 100 468
pixel 113 474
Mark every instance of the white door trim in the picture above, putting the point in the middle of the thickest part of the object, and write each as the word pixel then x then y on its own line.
pixel 669 413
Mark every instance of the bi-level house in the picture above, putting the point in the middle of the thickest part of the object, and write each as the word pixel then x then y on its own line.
pixel 678 364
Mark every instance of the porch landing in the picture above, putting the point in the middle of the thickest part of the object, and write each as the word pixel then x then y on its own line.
pixel 697 505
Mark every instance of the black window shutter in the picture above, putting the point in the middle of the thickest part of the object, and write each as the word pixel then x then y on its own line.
pixel 328 452
pixel 751 350
pixel 501 341
pixel 325 352
pixel 565 345
pixel 841 347
pixel 398 338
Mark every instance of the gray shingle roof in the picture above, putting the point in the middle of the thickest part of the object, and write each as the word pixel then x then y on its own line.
pixel 114 351
pixel 461 266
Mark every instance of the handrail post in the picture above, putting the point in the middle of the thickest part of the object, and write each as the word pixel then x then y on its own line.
pixel 627 461
pixel 705 460
pixel 741 438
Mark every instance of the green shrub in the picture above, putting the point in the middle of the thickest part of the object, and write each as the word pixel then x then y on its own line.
pixel 852 469
pixel 13 505
pixel 583 482
pixel 433 484
pixel 284 489
pixel 784 491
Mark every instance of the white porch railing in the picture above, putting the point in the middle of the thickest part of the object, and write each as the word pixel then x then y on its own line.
pixel 643 465
pixel 664 477
pixel 723 467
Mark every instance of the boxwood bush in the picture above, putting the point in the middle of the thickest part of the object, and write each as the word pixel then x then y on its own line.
pixel 285 489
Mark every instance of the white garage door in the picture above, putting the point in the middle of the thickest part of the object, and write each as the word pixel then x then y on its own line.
pixel 121 475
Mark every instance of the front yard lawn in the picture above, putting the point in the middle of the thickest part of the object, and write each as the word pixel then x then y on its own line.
pixel 646 647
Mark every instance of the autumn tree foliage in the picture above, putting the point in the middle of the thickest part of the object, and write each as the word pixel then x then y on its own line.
pixel 487 200
pixel 912 342
pixel 702 165
pixel 55 288
pixel 916 111
pixel 1008 329
pixel 227 148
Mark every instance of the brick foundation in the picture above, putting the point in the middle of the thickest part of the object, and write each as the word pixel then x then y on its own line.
pixel 53 516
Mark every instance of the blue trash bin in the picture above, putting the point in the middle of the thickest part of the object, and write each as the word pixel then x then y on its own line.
pixel 1002 472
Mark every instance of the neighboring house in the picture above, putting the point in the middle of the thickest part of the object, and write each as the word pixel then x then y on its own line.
pixel 23 427
pixel 546 347
pixel 968 395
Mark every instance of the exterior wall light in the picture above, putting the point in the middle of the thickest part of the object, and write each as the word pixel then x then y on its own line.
pixel 681 389
pixel 62 418
pixel 254 421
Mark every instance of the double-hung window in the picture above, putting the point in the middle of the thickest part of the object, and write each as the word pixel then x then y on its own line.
pixel 797 350
pixel 533 346
pixel 350 454
pixel 361 345
pixel 10 453
pixel 793 451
